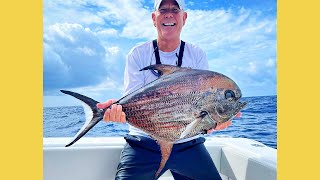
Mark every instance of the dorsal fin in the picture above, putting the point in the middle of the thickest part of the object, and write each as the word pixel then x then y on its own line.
pixel 162 68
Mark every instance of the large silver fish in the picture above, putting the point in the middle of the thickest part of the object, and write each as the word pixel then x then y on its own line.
pixel 181 103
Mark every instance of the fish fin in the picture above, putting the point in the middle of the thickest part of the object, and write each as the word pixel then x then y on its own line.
pixel 90 102
pixel 166 148
pixel 189 128
pixel 162 68
pixel 93 114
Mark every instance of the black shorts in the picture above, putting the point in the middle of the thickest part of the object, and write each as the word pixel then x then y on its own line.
pixel 141 156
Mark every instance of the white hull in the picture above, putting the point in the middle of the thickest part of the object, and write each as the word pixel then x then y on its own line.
pixel 97 158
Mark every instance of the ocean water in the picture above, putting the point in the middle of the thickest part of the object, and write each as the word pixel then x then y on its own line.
pixel 258 122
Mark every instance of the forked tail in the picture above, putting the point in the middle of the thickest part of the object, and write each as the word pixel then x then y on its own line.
pixel 93 114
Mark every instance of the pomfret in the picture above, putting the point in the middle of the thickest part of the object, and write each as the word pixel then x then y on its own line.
pixel 181 103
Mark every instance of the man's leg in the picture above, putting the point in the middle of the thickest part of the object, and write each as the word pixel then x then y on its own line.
pixel 192 160
pixel 139 159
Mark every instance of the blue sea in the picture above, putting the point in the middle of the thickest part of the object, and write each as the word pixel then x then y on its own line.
pixel 258 122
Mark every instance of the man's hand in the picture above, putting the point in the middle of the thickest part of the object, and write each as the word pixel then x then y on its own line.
pixel 114 113
pixel 224 125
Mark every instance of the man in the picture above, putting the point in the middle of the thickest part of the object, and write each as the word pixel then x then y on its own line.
pixel 141 156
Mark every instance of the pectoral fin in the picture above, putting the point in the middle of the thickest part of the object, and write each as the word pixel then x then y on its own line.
pixel 189 128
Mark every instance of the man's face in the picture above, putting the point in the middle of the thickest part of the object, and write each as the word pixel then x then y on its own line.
pixel 169 20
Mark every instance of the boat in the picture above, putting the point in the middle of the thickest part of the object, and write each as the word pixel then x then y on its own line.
pixel 96 158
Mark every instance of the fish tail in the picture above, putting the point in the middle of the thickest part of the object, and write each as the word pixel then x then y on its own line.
pixel 93 114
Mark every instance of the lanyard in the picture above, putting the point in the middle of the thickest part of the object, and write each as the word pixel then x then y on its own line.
pixel 156 51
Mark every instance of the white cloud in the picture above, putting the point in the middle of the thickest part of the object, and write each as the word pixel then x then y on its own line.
pixel 73 57
pixel 252 68
pixel 222 29
pixel 87 51
pixel 110 32
pixel 113 50
pixel 134 19
pixel 71 11
pixel 109 88
pixel 240 43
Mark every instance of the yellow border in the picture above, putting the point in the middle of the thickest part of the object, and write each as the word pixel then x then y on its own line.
pixel 21 89
pixel 298 89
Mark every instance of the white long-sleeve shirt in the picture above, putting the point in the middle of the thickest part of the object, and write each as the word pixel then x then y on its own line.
pixel 143 55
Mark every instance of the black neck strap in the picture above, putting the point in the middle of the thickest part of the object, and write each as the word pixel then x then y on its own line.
pixel 156 51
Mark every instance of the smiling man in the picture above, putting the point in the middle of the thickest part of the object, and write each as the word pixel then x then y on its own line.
pixel 141 156
pixel 169 18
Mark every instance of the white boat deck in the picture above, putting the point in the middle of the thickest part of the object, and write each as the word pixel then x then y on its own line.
pixel 97 158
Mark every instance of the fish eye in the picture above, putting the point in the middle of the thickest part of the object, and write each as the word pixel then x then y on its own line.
pixel 229 95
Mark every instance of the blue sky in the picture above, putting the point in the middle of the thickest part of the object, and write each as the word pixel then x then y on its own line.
pixel 86 42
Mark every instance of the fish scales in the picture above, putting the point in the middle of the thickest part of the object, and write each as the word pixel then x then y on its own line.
pixel 175 108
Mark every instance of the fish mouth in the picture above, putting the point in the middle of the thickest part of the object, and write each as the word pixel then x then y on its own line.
pixel 241 105
pixel 225 114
